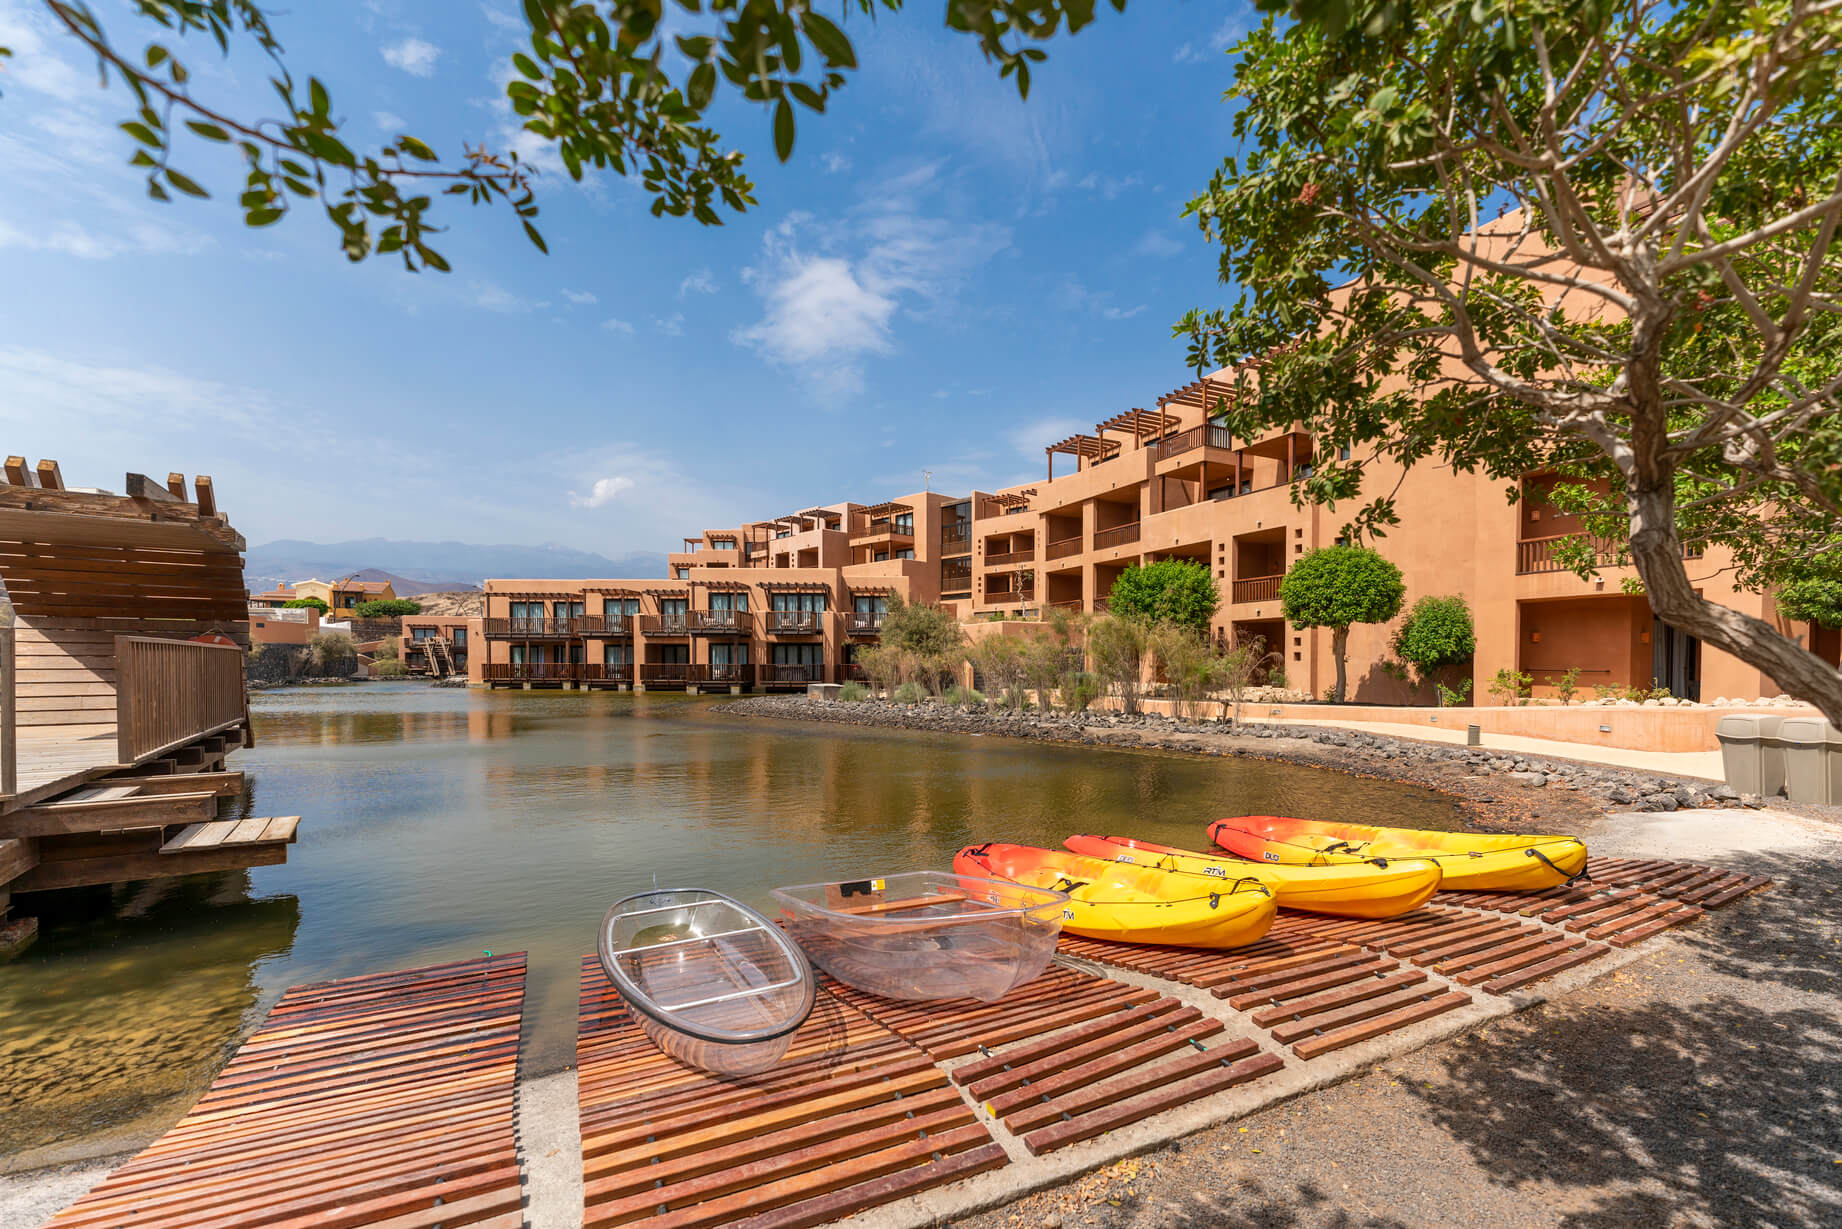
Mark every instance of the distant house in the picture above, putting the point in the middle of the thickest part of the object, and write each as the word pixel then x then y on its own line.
pixel 341 596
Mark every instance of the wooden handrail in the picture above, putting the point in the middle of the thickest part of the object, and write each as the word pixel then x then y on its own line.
pixel 170 692
pixel 803 621
pixel 1119 535
pixel 1257 589
pixel 1063 548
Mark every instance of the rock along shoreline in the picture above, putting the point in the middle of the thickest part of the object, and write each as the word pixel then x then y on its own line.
pixel 1495 788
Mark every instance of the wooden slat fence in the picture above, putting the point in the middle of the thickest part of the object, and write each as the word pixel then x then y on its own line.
pixel 169 692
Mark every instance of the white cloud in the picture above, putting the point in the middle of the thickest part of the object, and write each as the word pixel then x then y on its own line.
pixel 503 20
pixel 33 66
pixel 1234 27
pixel 1108 186
pixel 604 492
pixel 835 163
pixel 413 56
pixel 1157 243
pixel 614 324
pixel 1032 437
pixel 831 293
pixel 495 298
pixel 1122 313
pixel 389 122
pixel 581 298
pixel 671 326
pixel 1071 294
pixel 71 238
pixel 700 282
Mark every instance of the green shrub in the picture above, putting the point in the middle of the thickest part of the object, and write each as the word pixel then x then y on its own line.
pixel 1566 685
pixel 388 668
pixel 1438 632
pixel 1079 691
pixel 1814 599
pixel 387 608
pixel 1510 686
pixel 387 650
pixel 1177 591
pixel 853 692
pixel 965 697
pixel 303 603
pixel 1276 678
pixel 1452 697
pixel 1336 586
pixel 332 655
pixel 910 693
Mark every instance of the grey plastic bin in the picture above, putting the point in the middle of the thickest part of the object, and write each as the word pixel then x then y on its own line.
pixel 1812 760
pixel 1752 756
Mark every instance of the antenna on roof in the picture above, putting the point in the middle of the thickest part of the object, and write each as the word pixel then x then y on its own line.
pixel 927 480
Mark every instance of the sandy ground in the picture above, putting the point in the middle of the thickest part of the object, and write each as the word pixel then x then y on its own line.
pixel 1700 1085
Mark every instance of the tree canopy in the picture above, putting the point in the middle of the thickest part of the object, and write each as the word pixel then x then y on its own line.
pixel 1813 599
pixel 1176 591
pixel 1595 240
pixel 302 603
pixel 1336 586
pixel 623 86
pixel 387 607
pixel 1438 632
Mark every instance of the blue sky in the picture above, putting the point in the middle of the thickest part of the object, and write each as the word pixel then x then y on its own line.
pixel 943 278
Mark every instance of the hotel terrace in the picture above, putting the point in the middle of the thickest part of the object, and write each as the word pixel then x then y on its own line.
pixel 785 602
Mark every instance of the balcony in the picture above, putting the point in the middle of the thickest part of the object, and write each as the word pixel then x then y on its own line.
pixel 618 627
pixel 777 675
pixel 676 623
pixel 665 673
pixel 1074 605
pixel 738 674
pixel 795 622
pixel 1119 535
pixel 1256 589
pixel 851 672
pixel 544 628
pixel 1063 549
pixel 720 623
pixel 1015 556
pixel 1208 436
pixel 959 543
pixel 545 672
pixel 1010 597
pixel 1537 555
pixel 864 623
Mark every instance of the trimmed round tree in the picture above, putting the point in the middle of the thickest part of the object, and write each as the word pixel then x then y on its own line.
pixel 1438 632
pixel 1177 591
pixel 1336 586
pixel 1813 599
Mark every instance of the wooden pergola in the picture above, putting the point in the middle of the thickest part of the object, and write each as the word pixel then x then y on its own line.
pixel 1011 501
pixel 1144 424
pixel 824 516
pixel 1088 447
pixel 1202 394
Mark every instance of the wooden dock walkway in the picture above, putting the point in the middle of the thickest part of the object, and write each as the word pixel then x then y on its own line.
pixel 389 1100
pixel 385 1100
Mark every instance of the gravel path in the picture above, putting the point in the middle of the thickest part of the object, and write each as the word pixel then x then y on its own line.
pixel 1701 1085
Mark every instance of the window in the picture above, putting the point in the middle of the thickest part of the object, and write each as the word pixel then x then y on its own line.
pixel 617 655
pixel 568 610
pixel 518 655
pixel 673 655
pixel 797 654
pixel 421 633
pixel 1343 453
pixel 732 603
pixel 882 556
pixel 813 602
pixel 575 655
pixel 866 603
pixel 681 573
pixel 460 638
pixel 527 610
pixel 728 654
pixel 722 544
pixel 956 527
pixel 614 609
pixel 956 575
pixel 903 523
pixel 906 553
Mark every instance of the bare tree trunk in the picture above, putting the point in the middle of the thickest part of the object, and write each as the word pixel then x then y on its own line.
pixel 1339 649
pixel 1656 552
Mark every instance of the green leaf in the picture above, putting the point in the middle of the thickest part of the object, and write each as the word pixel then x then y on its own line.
pixel 829 40
pixel 322 103
pixel 211 132
pixel 701 87
pixel 783 129
pixel 141 132
pixel 526 65
pixel 156 55
pixel 262 217
pixel 184 183
pixel 415 149
pixel 536 239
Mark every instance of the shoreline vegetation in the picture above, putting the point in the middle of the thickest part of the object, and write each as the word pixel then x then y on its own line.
pixel 1492 788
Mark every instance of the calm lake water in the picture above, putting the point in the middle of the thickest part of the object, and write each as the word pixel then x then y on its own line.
pixel 441 824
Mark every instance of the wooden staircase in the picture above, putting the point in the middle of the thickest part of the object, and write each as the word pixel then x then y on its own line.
pixel 441 661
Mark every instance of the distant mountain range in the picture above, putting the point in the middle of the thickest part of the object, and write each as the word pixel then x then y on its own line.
pixel 426 567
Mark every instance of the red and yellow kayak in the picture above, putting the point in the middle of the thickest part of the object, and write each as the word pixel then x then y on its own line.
pixel 1371 888
pixel 1131 904
pixel 1468 861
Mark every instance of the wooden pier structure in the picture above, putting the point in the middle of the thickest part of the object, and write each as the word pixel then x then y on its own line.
pixel 388 1100
pixel 123 630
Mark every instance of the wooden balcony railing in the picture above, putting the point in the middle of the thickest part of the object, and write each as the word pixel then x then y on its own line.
pixel 1257 589
pixel 618 626
pixel 1196 437
pixel 1119 535
pixel 677 623
pixel 665 672
pixel 534 628
pixel 952 543
pixel 864 623
pixel 739 673
pixel 619 673
pixel 1074 604
pixel 720 622
pixel 1535 555
pixel 1009 597
pixel 1102 605
pixel 170 692
pixel 795 622
pixel 779 675
pixel 544 672
pixel 1063 548
pixel 851 672
pixel 1026 555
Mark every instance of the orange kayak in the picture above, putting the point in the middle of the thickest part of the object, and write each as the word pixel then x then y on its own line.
pixel 1468 861
pixel 1371 888
pixel 1131 904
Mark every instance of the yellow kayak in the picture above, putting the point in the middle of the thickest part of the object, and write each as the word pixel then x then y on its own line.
pixel 1132 904
pixel 1371 887
pixel 1469 861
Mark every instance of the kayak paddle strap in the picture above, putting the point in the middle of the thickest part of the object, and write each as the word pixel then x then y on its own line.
pixel 1536 853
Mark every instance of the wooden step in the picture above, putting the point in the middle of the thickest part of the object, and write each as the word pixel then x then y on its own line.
pixel 229 832
pixel 76 813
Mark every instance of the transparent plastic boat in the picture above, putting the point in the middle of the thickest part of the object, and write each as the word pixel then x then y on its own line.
pixel 926 934
pixel 713 983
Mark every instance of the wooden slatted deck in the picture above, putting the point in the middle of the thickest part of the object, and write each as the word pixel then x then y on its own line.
pixel 853 1118
pixel 381 1100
